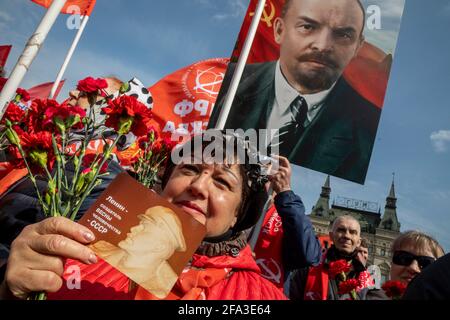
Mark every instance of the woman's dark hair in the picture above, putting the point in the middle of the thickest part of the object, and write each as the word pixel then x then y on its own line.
pixel 254 195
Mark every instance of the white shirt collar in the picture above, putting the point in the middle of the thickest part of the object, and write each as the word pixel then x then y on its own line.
pixel 285 93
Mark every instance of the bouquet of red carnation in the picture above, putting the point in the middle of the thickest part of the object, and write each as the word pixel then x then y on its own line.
pixel 46 140
pixel 152 155
pixel 394 289
pixel 349 287
pixel 338 270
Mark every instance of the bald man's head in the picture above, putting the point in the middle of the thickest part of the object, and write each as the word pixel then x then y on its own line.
pixel 346 234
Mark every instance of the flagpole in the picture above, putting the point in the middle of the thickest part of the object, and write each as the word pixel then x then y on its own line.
pixel 69 56
pixel 29 53
pixel 243 57
pixel 240 66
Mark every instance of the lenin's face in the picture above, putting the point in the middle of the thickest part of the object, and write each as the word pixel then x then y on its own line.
pixel 318 40
pixel 149 242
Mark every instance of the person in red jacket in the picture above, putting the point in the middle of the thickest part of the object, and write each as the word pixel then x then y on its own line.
pixel 228 196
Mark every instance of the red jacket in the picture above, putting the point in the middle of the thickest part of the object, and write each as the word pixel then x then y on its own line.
pixel 216 278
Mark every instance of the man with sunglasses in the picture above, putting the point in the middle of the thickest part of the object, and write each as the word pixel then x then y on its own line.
pixel 412 252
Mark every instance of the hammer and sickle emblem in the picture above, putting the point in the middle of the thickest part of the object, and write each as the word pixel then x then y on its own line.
pixel 267 18
pixel 267 272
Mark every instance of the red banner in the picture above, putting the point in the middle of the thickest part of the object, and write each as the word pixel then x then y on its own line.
pixel 43 90
pixel 184 100
pixel 268 248
pixel 85 7
pixel 368 73
pixel 4 53
pixel 264 47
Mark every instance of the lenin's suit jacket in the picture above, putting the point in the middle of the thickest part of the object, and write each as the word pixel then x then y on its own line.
pixel 339 140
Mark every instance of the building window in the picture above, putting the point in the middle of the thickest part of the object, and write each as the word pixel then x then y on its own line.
pixel 383 252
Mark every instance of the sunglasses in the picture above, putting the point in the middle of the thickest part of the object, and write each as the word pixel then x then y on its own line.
pixel 403 258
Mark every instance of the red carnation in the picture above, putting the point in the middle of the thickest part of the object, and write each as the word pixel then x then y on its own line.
pixel 24 95
pixel 91 85
pixel 38 148
pixel 149 139
pixel 338 267
pixel 89 158
pixel 14 113
pixel 169 143
pixel 157 147
pixel 70 116
pixel 127 114
pixel 36 114
pixel 394 289
pixel 348 286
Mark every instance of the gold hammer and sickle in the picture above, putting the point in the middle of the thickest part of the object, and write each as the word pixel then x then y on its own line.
pixel 267 18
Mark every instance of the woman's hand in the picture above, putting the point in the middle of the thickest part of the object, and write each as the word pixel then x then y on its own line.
pixel 36 260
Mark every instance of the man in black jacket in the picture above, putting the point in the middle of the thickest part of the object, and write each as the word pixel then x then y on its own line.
pixel 316 283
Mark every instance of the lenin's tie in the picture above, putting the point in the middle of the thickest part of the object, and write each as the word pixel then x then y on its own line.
pixel 291 131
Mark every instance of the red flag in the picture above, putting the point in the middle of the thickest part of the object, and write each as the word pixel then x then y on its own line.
pixel 183 101
pixel 43 90
pixel 4 53
pixel 368 73
pixel 264 47
pixel 85 6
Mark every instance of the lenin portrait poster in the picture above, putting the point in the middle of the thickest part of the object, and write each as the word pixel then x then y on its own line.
pixel 316 77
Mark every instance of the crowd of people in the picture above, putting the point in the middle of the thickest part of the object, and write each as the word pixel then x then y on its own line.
pixel 36 252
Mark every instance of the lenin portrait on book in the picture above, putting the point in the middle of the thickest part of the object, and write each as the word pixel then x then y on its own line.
pixel 322 122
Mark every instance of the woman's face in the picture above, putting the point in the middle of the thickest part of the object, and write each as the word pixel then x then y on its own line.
pixel 405 273
pixel 211 194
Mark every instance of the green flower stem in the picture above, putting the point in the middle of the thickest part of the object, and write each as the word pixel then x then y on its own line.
pixel 91 185
pixel 63 158
pixel 54 206
pixel 86 139
pixel 58 171
pixel 37 296
pixel 33 179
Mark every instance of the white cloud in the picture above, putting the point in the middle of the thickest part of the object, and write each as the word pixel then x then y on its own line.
pixel 446 9
pixel 236 9
pixel 5 17
pixel 440 140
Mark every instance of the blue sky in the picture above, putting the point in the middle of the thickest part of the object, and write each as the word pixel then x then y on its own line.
pixel 149 39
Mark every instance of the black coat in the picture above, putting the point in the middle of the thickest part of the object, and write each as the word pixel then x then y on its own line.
pixel 433 283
